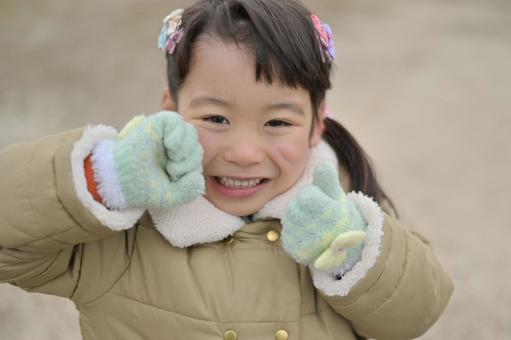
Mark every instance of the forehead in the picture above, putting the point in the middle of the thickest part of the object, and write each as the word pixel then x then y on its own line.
pixel 222 68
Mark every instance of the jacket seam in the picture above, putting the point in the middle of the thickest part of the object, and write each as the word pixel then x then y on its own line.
pixel 114 283
pixel 34 211
pixel 196 318
pixel 29 187
pixel 77 224
pixel 323 310
pixel 79 275
pixel 50 236
pixel 53 257
pixel 27 190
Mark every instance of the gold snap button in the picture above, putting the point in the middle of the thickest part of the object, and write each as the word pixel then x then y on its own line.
pixel 230 335
pixel 273 235
pixel 281 335
pixel 229 239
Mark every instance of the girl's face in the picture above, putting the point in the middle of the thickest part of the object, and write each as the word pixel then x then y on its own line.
pixel 256 136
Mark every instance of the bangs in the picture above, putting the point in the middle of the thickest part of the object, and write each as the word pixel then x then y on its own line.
pixel 280 34
pixel 284 42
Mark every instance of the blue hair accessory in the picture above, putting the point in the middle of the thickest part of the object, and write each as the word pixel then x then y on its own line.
pixel 326 39
pixel 171 32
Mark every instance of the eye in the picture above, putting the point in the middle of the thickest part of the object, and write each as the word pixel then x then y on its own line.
pixel 215 119
pixel 277 123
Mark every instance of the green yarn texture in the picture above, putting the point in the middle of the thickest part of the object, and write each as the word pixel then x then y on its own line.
pixel 319 214
pixel 158 161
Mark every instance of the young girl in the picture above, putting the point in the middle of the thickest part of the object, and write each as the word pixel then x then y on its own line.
pixel 229 219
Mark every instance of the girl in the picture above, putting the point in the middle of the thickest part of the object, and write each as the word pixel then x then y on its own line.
pixel 228 220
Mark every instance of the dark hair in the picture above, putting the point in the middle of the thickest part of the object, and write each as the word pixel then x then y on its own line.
pixel 286 48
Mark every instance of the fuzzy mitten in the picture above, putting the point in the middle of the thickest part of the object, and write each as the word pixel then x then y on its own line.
pixel 321 227
pixel 155 162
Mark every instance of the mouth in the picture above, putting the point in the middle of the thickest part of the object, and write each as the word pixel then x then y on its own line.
pixel 237 187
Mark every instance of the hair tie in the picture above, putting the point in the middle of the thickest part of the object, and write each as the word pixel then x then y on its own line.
pixel 171 32
pixel 327 114
pixel 326 39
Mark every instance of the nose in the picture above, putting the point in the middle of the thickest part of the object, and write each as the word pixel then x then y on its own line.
pixel 244 151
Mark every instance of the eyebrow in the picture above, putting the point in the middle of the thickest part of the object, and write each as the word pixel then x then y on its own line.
pixel 287 106
pixel 208 100
pixel 204 100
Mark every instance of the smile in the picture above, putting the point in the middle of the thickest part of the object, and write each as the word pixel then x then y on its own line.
pixel 239 183
pixel 235 187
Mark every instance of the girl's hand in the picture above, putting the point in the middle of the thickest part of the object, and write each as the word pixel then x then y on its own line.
pixel 155 162
pixel 321 226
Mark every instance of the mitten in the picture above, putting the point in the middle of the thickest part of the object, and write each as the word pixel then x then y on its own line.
pixel 154 162
pixel 322 227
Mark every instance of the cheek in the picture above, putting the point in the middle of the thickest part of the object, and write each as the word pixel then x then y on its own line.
pixel 293 155
pixel 208 142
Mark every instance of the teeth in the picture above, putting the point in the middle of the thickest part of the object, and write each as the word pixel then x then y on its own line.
pixel 235 183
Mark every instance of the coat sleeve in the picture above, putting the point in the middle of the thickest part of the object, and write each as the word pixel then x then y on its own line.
pixel 397 290
pixel 52 232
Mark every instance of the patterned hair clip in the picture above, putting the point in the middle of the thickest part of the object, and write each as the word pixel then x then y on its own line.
pixel 171 32
pixel 326 39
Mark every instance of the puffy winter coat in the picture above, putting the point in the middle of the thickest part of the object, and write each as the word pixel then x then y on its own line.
pixel 196 272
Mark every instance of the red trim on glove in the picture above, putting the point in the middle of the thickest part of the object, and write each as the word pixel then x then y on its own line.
pixel 91 183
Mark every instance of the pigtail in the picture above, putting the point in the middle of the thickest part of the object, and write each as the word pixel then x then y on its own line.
pixel 351 155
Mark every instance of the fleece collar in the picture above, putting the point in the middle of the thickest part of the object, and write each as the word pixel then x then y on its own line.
pixel 182 226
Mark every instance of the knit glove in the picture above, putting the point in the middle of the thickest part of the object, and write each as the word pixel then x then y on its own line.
pixel 154 162
pixel 321 227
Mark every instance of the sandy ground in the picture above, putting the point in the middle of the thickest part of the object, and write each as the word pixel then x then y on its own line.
pixel 424 86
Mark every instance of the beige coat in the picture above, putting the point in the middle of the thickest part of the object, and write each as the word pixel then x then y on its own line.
pixel 129 282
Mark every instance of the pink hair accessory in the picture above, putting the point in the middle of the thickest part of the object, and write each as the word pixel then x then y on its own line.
pixel 326 39
pixel 326 113
pixel 173 41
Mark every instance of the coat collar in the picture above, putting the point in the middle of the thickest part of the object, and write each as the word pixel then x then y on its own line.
pixel 201 222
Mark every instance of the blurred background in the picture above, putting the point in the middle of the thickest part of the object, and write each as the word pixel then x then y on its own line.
pixel 423 85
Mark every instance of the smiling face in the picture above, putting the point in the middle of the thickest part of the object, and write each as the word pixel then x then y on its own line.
pixel 256 136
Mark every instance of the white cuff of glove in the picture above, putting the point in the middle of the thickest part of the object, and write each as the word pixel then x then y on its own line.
pixel 112 219
pixel 106 177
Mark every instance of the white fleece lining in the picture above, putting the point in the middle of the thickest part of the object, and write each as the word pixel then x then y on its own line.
pixel 373 215
pixel 105 175
pixel 114 220
pixel 185 226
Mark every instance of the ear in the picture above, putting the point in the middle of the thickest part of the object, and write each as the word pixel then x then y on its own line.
pixel 168 103
pixel 319 126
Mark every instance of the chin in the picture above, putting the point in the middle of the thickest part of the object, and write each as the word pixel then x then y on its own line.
pixel 238 209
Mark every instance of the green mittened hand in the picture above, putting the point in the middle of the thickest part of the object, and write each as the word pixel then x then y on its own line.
pixel 155 162
pixel 321 226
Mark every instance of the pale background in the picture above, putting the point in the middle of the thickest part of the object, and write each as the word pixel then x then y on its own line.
pixel 423 85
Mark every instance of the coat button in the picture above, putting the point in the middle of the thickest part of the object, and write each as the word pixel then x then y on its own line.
pixel 281 335
pixel 230 335
pixel 273 235
pixel 229 239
